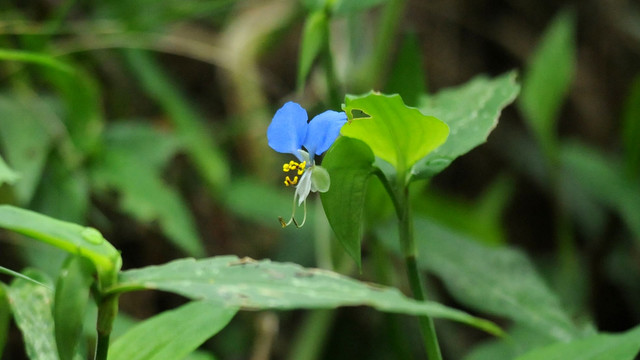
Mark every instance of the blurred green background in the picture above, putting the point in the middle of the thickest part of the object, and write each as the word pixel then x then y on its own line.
pixel 147 120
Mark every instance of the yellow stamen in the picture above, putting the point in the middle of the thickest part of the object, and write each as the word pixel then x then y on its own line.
pixel 293 166
pixel 289 182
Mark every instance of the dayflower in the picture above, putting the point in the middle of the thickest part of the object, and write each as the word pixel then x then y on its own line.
pixel 290 133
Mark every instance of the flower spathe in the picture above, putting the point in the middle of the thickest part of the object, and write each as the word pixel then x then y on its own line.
pixel 290 133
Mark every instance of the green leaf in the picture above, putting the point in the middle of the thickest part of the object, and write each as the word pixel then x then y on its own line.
pixel 4 270
pixel 314 37
pixel 26 140
pixel 75 239
pixel 631 130
pixel 624 346
pixel 124 167
pixel 6 174
pixel 407 75
pixel 252 284
pixel 31 308
pixel 173 334
pixel 471 111
pixel 209 159
pixel 71 297
pixel 548 78
pixel 496 280
pixel 5 317
pixel 603 178
pixel 349 163
pixel 396 133
pixel 35 58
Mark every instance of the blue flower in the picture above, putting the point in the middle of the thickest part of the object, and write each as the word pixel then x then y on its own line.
pixel 290 133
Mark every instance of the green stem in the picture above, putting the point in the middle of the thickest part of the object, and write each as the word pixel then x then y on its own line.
pixel 107 311
pixel 415 279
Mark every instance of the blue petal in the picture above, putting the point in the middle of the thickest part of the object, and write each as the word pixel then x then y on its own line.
pixel 288 129
pixel 323 131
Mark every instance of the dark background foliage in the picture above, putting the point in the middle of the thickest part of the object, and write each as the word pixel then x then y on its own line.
pixel 214 73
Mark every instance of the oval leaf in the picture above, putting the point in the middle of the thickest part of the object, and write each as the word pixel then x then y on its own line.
pixel 471 111
pixel 396 133
pixel 349 163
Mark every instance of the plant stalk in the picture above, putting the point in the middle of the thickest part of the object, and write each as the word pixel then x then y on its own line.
pixel 107 311
pixel 405 227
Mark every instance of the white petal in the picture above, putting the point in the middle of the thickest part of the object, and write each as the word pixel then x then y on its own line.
pixel 304 187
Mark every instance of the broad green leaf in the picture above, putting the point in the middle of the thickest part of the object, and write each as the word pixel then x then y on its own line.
pixel 349 163
pixel 471 111
pixel 252 284
pixel 71 297
pixel 631 130
pixel 6 174
pixel 548 78
pixel 35 58
pixel 75 239
pixel 5 317
pixel 31 307
pixel 314 37
pixel 173 334
pixel 603 179
pixel 144 194
pixel 496 280
pixel 624 346
pixel 209 159
pixel 26 140
pixel 407 76
pixel 396 133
